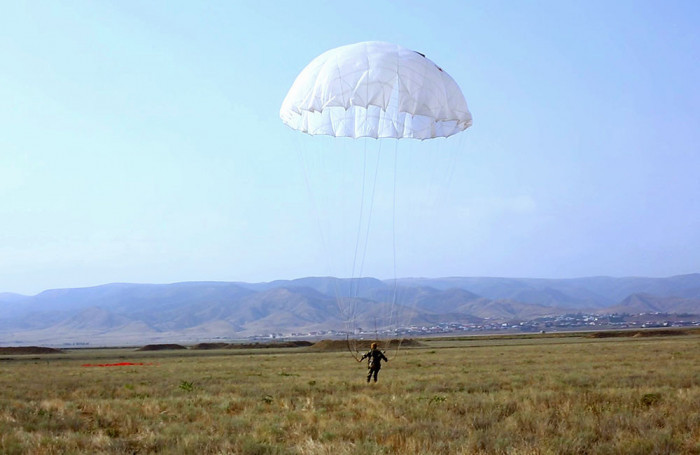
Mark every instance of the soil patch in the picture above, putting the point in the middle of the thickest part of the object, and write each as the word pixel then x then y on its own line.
pixel 119 364
pixel 161 347
pixel 20 350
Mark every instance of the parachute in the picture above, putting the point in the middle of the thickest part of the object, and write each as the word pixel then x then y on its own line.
pixel 374 90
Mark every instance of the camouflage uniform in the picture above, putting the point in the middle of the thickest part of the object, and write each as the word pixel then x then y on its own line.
pixel 374 362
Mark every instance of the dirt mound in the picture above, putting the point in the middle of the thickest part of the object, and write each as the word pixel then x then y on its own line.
pixel 609 334
pixel 280 344
pixel 659 333
pixel 205 346
pixel 161 347
pixel 28 350
pixel 636 333
pixel 363 345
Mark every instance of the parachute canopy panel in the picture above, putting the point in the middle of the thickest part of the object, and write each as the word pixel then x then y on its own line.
pixel 375 89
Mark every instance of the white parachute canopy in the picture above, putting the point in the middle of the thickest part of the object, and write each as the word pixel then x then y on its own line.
pixel 375 89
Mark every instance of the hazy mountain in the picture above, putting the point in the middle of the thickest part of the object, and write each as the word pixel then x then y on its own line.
pixel 12 305
pixel 119 312
pixel 562 293
pixel 329 286
pixel 437 301
pixel 508 310
pixel 94 318
pixel 9 297
pixel 574 293
pixel 691 293
pixel 647 303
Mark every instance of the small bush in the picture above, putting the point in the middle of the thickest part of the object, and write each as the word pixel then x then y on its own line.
pixel 187 386
pixel 650 399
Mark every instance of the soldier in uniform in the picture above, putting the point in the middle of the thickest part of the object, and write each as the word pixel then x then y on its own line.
pixel 374 362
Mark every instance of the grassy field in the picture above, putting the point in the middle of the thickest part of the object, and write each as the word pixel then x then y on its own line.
pixel 535 395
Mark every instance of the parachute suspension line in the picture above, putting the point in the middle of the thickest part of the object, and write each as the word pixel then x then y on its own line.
pixel 354 290
pixel 393 217
pixel 321 232
pixel 354 277
pixel 452 165
pixel 393 316
pixel 352 348
pixel 314 204
pixel 362 245
pixel 442 174
pixel 454 153
pixel 371 207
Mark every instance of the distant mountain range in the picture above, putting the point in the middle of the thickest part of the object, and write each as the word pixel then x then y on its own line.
pixel 123 313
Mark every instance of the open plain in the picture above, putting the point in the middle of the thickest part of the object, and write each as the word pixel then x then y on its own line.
pixel 537 394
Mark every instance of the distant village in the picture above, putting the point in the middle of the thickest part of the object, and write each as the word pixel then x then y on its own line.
pixel 559 323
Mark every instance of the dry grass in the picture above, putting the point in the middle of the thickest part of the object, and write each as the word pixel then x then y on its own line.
pixel 519 396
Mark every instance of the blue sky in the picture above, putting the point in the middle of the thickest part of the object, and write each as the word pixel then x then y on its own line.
pixel 141 142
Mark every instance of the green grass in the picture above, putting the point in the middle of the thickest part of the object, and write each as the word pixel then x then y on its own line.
pixel 568 395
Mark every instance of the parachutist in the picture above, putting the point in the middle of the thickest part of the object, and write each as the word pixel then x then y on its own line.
pixel 374 363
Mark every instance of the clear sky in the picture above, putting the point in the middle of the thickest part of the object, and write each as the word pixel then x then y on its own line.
pixel 141 142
